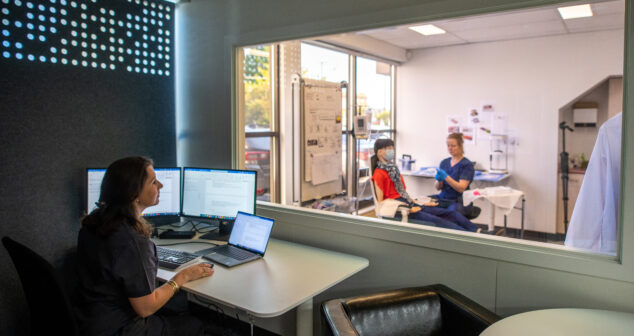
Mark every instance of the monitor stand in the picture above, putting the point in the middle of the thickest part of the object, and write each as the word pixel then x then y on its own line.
pixel 222 233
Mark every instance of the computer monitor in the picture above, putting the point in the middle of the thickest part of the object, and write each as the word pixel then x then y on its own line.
pixel 170 195
pixel 93 187
pixel 218 193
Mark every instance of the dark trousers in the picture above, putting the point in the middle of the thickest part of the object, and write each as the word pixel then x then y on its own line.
pixel 444 218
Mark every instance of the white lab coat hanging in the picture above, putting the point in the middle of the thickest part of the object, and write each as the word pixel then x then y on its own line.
pixel 593 224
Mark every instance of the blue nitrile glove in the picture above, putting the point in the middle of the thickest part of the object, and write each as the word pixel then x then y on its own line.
pixel 441 175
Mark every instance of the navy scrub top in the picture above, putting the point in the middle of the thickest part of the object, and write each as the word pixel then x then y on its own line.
pixel 110 270
pixel 462 170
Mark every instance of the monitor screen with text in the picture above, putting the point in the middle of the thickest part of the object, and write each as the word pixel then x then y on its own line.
pixel 94 176
pixel 170 195
pixel 218 193
pixel 169 199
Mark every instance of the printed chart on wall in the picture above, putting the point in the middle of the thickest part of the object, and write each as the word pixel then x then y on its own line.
pixel 322 131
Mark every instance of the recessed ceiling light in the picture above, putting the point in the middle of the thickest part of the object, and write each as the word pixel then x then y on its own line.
pixel 574 12
pixel 427 30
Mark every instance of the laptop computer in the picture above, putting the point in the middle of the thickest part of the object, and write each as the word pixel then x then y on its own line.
pixel 248 241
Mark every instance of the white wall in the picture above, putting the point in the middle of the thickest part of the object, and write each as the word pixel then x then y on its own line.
pixel 529 79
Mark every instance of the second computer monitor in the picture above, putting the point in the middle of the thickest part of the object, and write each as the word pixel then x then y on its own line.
pixel 169 199
pixel 218 193
pixel 170 195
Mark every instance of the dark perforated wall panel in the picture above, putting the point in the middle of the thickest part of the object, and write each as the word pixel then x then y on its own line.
pixel 82 83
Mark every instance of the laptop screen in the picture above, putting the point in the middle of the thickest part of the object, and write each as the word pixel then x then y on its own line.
pixel 251 232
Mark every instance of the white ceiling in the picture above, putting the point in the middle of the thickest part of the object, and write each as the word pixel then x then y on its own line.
pixel 542 21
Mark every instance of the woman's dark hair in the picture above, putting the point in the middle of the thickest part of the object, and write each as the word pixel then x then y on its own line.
pixel 379 144
pixel 121 185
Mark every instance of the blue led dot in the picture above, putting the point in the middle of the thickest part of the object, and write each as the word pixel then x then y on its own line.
pixel 41 17
pixel 53 20
pixel 41 28
pixel 6 54
pixel 103 65
pixel 18 56
pixel 63 11
pixel 30 25
pixel 5 32
pixel 53 30
pixel 112 67
pixel 6 44
pixel 41 7
pixel 53 50
pixel 18 24
pixel 84 63
pixel 30 57
pixel 53 60
pixel 29 16
pixel 5 22
pixel 160 72
pixel 137 69
pixel 5 11
pixel 29 5
pixel 63 22
pixel 18 3
pixel 129 68
pixel 42 38
pixel 52 9
pixel 42 59
pixel 167 73
pixel 18 45
pixel 94 64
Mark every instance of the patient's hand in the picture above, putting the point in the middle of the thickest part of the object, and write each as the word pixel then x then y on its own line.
pixel 414 209
pixel 429 203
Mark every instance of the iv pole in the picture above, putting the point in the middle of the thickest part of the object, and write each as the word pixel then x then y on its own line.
pixel 563 157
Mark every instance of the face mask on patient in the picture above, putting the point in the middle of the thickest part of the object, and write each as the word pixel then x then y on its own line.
pixel 389 154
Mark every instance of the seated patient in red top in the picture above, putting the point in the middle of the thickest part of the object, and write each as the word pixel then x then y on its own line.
pixel 389 183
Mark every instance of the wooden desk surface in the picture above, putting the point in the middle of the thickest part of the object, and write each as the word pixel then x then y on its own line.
pixel 288 275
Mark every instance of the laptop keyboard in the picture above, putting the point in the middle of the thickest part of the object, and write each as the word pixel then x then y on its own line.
pixel 233 252
pixel 172 259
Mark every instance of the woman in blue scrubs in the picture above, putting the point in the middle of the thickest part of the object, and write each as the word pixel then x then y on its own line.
pixel 454 176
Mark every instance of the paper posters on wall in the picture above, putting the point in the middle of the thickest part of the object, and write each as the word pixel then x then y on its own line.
pixel 487 110
pixel 322 132
pixel 498 125
pixel 468 133
pixel 323 168
pixel 453 124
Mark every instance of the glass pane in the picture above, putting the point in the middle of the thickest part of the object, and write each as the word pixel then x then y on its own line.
pixel 374 93
pixel 327 65
pixel 257 156
pixel 257 88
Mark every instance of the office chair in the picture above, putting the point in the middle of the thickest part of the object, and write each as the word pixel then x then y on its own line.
pixel 50 308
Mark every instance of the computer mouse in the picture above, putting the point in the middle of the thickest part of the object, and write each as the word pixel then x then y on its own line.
pixel 210 264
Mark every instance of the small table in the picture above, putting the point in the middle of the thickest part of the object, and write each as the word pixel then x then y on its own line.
pixel 499 197
pixel 566 321
pixel 288 276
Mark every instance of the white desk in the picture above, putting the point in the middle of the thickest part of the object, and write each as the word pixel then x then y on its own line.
pixel 578 322
pixel 288 276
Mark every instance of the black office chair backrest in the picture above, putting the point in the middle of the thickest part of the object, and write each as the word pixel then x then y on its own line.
pixel 51 311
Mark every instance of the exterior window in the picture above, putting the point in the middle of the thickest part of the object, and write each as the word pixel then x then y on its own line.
pixel 259 116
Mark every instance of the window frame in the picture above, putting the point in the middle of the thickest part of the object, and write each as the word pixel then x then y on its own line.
pixel 500 249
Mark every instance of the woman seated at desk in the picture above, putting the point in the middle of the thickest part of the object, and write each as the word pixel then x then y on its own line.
pixel 389 183
pixel 117 262
pixel 454 176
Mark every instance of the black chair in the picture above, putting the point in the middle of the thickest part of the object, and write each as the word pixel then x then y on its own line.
pixel 49 305
pixel 429 310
